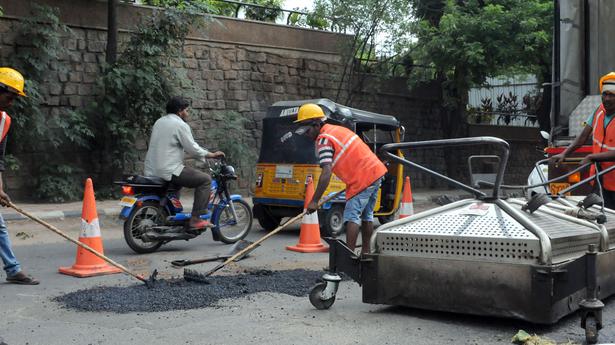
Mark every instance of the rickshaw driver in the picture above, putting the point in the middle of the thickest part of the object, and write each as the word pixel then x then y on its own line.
pixel 342 152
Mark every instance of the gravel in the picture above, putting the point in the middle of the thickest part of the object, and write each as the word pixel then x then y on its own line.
pixel 178 294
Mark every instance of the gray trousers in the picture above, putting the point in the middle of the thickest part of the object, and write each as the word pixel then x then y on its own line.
pixel 201 182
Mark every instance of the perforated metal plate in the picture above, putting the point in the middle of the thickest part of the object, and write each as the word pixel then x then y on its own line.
pixel 568 239
pixel 478 231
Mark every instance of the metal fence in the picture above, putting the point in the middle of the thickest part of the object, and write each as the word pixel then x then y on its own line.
pixel 508 103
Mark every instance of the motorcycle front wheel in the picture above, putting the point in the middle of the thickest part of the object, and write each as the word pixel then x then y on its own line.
pixel 231 229
pixel 139 221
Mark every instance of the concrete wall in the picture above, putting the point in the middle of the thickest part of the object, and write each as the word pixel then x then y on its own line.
pixel 233 65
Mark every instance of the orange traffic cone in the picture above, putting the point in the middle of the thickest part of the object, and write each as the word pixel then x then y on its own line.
pixel 406 209
pixel 87 264
pixel 309 237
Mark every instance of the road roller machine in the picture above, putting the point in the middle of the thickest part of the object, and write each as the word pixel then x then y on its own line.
pixel 536 259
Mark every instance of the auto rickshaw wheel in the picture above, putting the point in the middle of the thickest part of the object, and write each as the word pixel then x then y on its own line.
pixel 267 220
pixel 332 224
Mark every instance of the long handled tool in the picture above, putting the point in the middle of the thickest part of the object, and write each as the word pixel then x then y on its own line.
pixel 237 247
pixel 149 282
pixel 192 275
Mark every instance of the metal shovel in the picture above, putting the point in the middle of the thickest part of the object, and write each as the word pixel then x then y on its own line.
pixel 237 247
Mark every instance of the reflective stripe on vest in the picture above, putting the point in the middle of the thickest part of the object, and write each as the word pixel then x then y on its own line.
pixel 5 124
pixel 353 161
pixel 601 138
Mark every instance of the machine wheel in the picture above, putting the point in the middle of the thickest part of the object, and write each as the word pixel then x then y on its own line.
pixel 268 221
pixel 139 221
pixel 333 221
pixel 315 299
pixel 591 329
pixel 232 230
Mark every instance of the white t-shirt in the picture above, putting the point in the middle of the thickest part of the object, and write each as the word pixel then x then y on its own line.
pixel 171 137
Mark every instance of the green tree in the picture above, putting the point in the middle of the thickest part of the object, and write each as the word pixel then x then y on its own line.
pixel 216 7
pixel 37 49
pixel 133 90
pixel 468 41
pixel 270 11
pixel 366 20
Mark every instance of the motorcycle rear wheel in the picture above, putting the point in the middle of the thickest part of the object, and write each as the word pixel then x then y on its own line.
pixel 140 219
pixel 231 230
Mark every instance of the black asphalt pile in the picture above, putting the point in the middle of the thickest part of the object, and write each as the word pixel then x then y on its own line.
pixel 178 294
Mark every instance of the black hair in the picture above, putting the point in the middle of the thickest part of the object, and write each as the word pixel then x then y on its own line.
pixel 177 104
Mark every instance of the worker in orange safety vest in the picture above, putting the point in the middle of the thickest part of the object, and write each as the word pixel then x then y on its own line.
pixel 601 128
pixel 342 152
pixel 11 86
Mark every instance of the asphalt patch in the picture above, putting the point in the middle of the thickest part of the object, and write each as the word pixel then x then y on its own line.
pixel 178 294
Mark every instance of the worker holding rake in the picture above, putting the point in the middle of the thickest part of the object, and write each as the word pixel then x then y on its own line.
pixel 11 86
pixel 342 152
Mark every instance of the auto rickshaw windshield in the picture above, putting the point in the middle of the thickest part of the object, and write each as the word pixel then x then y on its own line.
pixel 280 144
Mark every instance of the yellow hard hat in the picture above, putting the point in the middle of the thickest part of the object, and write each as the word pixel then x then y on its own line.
pixel 310 111
pixel 12 80
pixel 607 77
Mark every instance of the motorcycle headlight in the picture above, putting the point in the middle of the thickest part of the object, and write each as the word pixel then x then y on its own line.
pixel 228 170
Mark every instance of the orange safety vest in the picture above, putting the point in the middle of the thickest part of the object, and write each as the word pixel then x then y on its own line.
pixel 5 124
pixel 353 162
pixel 603 141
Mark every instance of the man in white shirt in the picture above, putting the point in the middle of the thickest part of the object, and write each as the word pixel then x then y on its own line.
pixel 171 137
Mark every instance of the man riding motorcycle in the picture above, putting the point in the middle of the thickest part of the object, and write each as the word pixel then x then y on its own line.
pixel 171 137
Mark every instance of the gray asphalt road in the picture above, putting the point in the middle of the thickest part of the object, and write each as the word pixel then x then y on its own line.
pixel 29 316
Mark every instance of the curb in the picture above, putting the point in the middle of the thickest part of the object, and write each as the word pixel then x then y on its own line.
pixel 115 211
pixel 111 211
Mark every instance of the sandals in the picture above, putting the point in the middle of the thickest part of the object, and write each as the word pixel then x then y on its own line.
pixel 22 279
pixel 203 224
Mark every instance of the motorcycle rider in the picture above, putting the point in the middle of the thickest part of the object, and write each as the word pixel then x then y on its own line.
pixel 171 137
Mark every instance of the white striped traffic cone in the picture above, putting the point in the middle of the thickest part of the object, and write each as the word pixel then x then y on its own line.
pixel 309 237
pixel 88 264
pixel 406 209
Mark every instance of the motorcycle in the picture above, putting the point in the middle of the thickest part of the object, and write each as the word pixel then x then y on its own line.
pixel 153 214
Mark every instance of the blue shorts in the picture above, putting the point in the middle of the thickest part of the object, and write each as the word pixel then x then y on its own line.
pixel 361 206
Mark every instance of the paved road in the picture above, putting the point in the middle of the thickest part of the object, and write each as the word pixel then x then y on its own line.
pixel 28 316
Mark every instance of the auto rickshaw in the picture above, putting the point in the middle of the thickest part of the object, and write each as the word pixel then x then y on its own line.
pixel 287 160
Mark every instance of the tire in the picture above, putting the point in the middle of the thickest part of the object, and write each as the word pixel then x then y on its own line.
pixel 591 330
pixel 139 220
pixel 333 221
pixel 230 231
pixel 315 299
pixel 268 221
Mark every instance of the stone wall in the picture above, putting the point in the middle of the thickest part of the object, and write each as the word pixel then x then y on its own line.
pixel 235 65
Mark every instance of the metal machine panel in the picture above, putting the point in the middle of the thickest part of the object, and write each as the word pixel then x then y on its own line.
pixel 568 240
pixel 478 231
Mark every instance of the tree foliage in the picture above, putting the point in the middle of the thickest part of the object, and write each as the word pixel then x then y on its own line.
pixel 134 91
pixel 367 21
pixel 269 14
pixel 38 47
pixel 468 41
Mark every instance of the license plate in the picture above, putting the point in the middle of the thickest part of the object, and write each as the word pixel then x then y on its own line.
pixel 127 201
pixel 283 171
pixel 555 188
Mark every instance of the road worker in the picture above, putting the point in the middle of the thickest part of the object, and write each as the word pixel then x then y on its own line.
pixel 342 152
